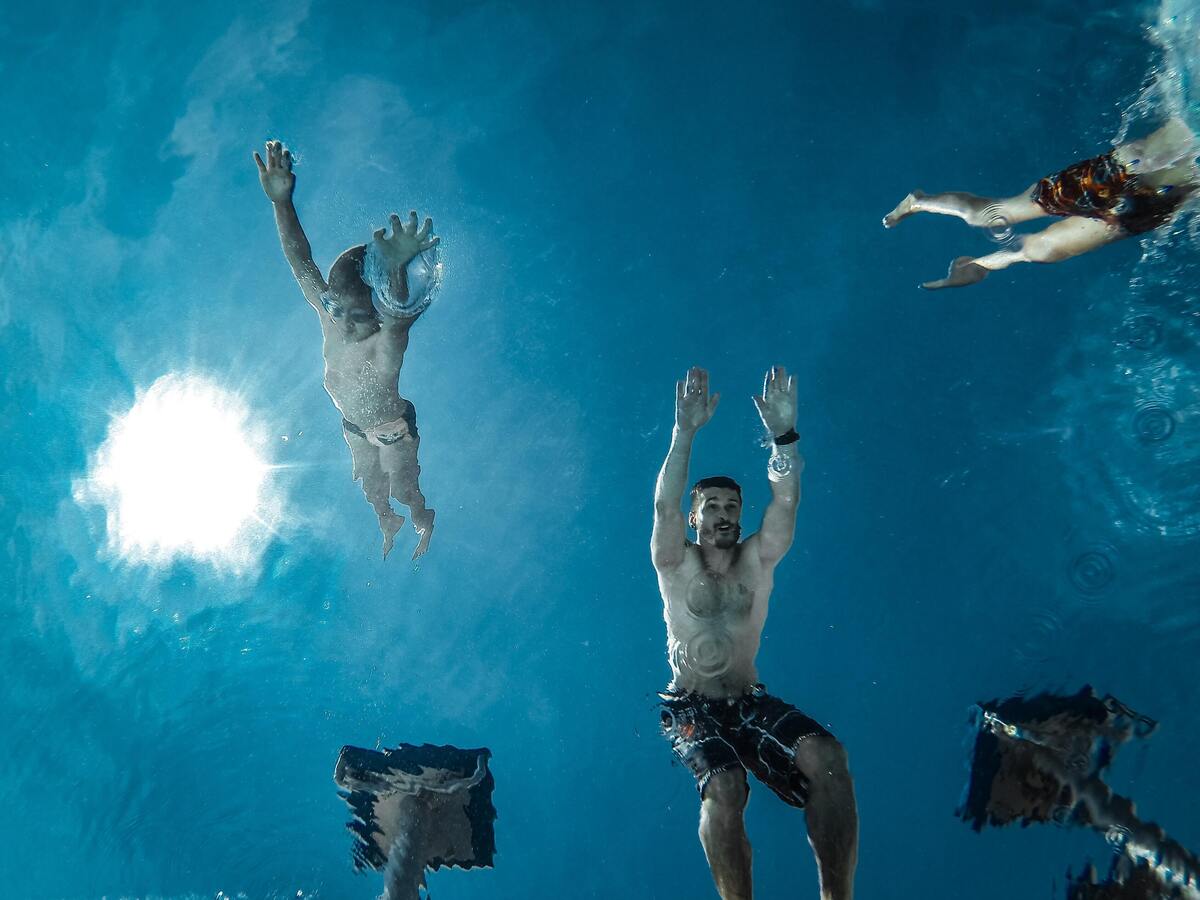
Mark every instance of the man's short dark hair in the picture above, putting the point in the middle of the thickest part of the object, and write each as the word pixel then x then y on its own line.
pixel 714 481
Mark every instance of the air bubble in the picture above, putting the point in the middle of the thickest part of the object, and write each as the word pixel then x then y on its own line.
pixel 1093 570
pixel 1143 332
pixel 1153 424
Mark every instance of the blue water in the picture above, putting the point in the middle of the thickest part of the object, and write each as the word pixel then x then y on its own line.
pixel 622 192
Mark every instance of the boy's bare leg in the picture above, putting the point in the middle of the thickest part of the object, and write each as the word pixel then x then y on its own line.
pixel 375 486
pixel 399 463
pixel 832 814
pixel 982 212
pixel 1072 236
pixel 723 834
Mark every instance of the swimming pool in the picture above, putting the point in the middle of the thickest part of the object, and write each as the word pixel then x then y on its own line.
pixel 1000 491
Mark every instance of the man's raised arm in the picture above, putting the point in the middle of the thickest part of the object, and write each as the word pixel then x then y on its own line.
pixel 693 409
pixel 777 408
pixel 278 183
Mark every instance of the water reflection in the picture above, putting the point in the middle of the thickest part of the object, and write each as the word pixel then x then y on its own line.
pixel 1042 759
pixel 418 808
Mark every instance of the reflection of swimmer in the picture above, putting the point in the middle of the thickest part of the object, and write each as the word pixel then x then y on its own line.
pixel 721 723
pixel 418 808
pixel 1125 882
pixel 364 345
pixel 1132 189
pixel 1042 758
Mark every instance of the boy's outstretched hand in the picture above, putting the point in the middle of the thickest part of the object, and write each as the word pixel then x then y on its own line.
pixel 275 174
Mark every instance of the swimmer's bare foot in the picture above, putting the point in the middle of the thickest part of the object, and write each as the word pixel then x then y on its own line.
pixel 423 522
pixel 963 271
pixel 390 524
pixel 903 210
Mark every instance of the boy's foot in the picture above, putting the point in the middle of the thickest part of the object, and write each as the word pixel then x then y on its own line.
pixel 423 522
pixel 389 524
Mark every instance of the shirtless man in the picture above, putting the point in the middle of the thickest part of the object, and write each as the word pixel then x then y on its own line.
pixel 720 721
pixel 364 346
pixel 1133 188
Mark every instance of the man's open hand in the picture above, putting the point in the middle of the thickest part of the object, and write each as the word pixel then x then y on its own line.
pixel 275 174
pixel 406 242
pixel 777 405
pixel 693 406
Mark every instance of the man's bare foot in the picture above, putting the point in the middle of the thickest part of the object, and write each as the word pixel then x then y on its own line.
pixel 389 524
pixel 423 522
pixel 903 210
pixel 963 271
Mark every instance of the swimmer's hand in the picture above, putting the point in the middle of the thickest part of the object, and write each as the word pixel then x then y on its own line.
pixel 693 406
pixel 777 405
pixel 275 174
pixel 406 242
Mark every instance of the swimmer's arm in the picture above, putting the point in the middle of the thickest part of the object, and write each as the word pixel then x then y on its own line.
pixel 774 538
pixel 777 409
pixel 298 253
pixel 278 183
pixel 669 537
pixel 693 408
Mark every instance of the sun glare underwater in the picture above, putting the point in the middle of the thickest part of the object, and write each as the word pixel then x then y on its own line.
pixel 181 476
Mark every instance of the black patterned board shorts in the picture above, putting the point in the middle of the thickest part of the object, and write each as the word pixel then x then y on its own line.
pixel 755 732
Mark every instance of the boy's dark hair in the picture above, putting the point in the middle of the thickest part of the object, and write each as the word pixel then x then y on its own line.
pixel 714 481
pixel 345 278
pixel 410 418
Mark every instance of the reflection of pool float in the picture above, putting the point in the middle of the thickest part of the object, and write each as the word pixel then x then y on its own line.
pixel 418 808
pixel 1041 758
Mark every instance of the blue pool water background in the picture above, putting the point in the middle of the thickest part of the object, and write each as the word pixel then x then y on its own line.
pixel 623 193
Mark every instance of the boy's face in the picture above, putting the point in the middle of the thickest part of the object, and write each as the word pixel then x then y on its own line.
pixel 356 321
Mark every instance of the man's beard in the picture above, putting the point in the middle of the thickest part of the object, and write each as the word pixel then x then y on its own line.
pixel 723 540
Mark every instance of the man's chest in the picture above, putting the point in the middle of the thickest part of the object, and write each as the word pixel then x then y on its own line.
pixel 731 596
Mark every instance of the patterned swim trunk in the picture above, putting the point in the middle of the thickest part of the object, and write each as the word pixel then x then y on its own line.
pixel 1101 188
pixel 754 732
pixel 389 432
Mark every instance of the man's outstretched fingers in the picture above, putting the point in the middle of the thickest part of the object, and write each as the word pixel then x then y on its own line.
pixel 262 167
pixel 413 221
pixel 425 229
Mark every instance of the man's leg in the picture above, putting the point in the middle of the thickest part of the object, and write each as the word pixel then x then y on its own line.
pixel 983 212
pixel 375 486
pixel 723 834
pixel 831 813
pixel 399 462
pixel 1062 240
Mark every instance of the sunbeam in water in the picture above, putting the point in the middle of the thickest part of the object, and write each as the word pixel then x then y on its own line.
pixel 181 477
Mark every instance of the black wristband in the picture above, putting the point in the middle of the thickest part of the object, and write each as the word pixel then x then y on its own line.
pixel 788 437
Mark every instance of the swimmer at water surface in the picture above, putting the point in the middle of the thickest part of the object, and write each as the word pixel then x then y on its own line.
pixel 719 720
pixel 1133 188
pixel 364 344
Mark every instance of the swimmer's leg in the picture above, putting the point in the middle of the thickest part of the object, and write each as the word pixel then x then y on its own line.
pixel 375 486
pixel 1171 145
pixel 399 462
pixel 981 212
pixel 831 813
pixel 723 834
pixel 1069 237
